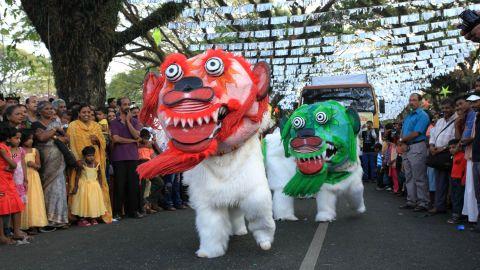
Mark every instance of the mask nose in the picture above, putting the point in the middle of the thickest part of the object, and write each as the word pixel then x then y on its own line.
pixel 306 132
pixel 188 84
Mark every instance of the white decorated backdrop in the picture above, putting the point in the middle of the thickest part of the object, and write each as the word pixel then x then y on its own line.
pixel 401 55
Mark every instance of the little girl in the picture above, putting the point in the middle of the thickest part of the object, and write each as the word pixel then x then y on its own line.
pixel 10 202
pixel 392 164
pixel 87 200
pixel 18 155
pixel 34 216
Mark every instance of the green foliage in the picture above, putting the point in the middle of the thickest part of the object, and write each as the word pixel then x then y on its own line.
pixel 23 73
pixel 127 84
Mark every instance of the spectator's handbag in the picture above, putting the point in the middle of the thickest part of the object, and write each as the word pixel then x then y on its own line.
pixel 68 156
pixel 442 160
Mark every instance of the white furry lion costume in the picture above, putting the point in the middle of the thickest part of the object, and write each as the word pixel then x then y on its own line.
pixel 315 155
pixel 211 107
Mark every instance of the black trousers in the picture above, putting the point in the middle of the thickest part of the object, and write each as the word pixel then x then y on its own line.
pixel 457 194
pixel 380 173
pixel 126 187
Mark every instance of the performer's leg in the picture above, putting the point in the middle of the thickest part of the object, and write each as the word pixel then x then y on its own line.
pixel 326 204
pixel 214 229
pixel 355 197
pixel 257 207
pixel 283 208
pixel 237 219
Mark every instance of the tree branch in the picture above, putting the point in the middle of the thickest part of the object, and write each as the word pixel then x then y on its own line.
pixel 326 7
pixel 131 14
pixel 161 16
pixel 184 46
pixel 142 58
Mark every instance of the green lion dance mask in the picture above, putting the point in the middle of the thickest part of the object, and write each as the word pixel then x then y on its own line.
pixel 322 137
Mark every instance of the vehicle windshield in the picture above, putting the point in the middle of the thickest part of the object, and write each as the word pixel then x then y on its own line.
pixel 359 98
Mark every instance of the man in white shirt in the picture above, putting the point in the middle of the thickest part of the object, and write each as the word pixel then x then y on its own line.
pixel 440 135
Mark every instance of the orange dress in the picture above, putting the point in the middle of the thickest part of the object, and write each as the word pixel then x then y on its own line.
pixel 10 202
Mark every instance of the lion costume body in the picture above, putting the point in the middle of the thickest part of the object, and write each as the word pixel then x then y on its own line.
pixel 211 107
pixel 316 155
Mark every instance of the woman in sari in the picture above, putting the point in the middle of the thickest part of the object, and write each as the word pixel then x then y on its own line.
pixel 53 165
pixel 86 132
pixel 14 116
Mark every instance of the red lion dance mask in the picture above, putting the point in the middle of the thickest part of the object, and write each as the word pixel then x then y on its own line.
pixel 207 105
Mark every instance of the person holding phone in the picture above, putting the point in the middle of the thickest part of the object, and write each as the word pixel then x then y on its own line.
pixel 470 25
pixel 125 131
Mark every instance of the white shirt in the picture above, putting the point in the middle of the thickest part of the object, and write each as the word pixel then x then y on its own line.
pixel 441 138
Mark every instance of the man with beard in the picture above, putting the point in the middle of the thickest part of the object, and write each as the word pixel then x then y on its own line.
pixel 125 131
pixel 440 135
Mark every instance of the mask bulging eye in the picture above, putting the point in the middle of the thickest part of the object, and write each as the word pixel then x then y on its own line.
pixel 214 66
pixel 321 118
pixel 298 122
pixel 173 73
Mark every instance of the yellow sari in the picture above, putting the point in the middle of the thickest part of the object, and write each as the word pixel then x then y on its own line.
pixel 79 134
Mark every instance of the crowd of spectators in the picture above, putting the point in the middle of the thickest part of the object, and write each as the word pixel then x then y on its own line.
pixel 63 164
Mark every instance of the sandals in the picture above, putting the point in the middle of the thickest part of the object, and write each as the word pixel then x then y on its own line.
pixel 94 222
pixel 47 229
pixel 32 231
pixel 22 238
pixel 84 223
pixel 8 241
pixel 151 211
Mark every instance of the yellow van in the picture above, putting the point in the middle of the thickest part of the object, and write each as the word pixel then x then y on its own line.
pixel 352 91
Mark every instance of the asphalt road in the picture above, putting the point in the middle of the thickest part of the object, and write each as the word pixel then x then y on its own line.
pixel 383 238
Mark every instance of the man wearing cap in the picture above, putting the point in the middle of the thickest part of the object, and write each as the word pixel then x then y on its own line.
pixel 414 135
pixel 464 128
pixel 475 101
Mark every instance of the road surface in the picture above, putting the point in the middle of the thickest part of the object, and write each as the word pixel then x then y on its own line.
pixel 383 238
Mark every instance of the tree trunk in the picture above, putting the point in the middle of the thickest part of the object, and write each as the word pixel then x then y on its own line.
pixel 81 38
pixel 81 78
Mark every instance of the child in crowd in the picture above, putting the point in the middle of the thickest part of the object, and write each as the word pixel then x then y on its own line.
pixel 65 118
pixel 10 202
pixel 145 153
pixel 402 148
pixel 111 115
pixel 18 155
pixel 87 200
pixel 458 177
pixel 34 216
pixel 386 151
pixel 392 163
pixel 152 189
pixel 378 150
pixel 101 116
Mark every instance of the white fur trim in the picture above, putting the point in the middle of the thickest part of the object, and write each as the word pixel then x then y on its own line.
pixel 233 182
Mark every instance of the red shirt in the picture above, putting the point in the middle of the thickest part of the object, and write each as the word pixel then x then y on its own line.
pixel 459 166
